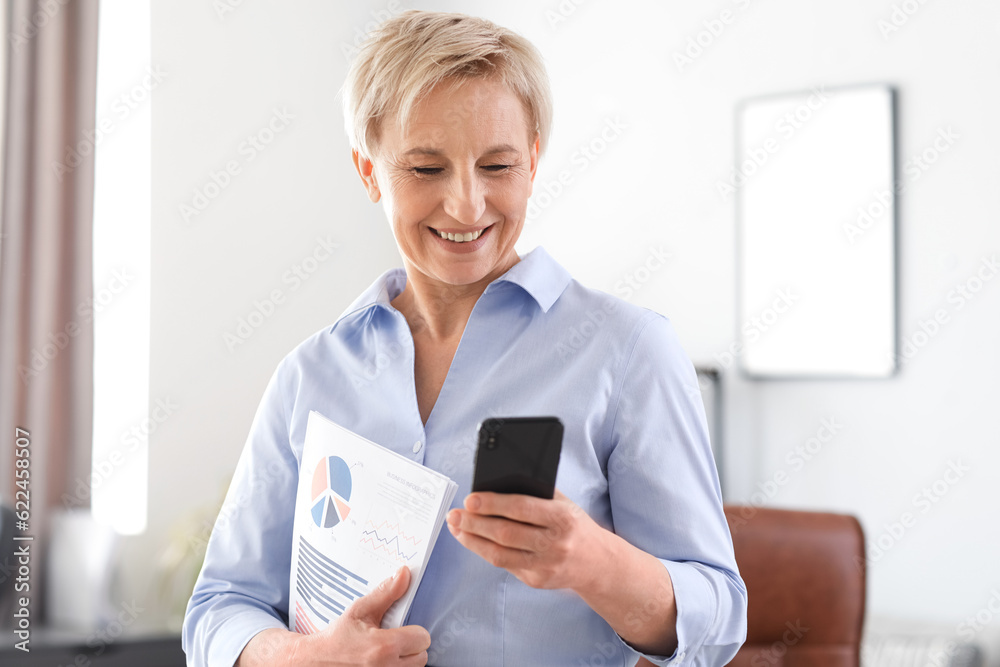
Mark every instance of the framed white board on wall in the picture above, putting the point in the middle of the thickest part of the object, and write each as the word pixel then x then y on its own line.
pixel 816 216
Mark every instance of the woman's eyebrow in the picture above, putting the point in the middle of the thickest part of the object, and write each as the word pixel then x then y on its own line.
pixel 503 148
pixel 422 150
pixel 436 152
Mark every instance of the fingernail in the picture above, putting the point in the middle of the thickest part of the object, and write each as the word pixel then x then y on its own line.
pixel 473 503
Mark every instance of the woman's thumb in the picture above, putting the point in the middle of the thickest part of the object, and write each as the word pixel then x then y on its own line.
pixel 372 607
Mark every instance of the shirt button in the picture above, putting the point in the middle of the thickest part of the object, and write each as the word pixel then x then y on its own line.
pixel 416 446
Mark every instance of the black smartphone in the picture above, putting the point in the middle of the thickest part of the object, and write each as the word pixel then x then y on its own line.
pixel 518 455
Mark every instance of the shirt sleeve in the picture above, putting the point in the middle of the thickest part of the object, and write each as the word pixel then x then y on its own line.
pixel 666 499
pixel 243 585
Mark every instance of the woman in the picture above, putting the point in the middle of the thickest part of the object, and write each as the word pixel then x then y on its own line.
pixel 448 116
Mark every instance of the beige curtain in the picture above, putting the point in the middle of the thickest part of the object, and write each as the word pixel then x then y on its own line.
pixel 46 333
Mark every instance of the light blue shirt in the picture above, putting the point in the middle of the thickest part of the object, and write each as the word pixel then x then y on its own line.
pixel 635 456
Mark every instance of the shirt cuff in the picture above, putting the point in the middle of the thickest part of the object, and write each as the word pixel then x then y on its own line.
pixel 233 635
pixel 694 612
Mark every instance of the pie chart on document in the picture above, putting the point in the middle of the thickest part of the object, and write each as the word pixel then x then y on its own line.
pixel 331 491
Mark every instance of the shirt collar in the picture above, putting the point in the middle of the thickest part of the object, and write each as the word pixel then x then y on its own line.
pixel 542 277
pixel 379 293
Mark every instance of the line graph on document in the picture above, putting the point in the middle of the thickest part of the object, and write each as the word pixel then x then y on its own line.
pixel 388 540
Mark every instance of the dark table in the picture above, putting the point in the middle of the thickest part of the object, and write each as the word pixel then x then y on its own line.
pixel 50 649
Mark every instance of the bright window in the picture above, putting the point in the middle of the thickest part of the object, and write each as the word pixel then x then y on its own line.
pixel 121 145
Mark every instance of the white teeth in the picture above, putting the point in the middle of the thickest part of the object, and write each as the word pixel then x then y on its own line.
pixel 461 238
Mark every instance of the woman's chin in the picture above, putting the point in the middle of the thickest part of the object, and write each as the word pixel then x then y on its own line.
pixel 454 272
pixel 470 274
pixel 446 266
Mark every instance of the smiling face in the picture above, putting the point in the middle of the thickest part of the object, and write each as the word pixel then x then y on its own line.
pixel 455 182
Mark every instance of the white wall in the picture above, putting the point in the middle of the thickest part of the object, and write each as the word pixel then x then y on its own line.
pixel 654 186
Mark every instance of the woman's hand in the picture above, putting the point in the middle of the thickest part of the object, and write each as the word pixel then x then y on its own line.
pixel 544 543
pixel 555 544
pixel 354 639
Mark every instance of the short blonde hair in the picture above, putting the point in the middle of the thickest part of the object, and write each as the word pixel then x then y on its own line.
pixel 407 55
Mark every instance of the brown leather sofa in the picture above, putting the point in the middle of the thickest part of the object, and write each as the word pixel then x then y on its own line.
pixel 805 577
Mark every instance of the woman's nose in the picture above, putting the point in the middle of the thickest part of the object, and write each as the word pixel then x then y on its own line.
pixel 465 201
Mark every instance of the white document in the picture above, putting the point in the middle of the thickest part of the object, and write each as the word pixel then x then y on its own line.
pixel 361 512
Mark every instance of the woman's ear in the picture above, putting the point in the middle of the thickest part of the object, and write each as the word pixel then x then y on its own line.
pixel 366 169
pixel 534 155
pixel 533 159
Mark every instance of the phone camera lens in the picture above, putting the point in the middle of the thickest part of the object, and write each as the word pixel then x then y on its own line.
pixel 491 443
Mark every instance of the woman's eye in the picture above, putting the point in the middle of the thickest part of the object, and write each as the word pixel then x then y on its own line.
pixel 428 171
pixel 496 167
